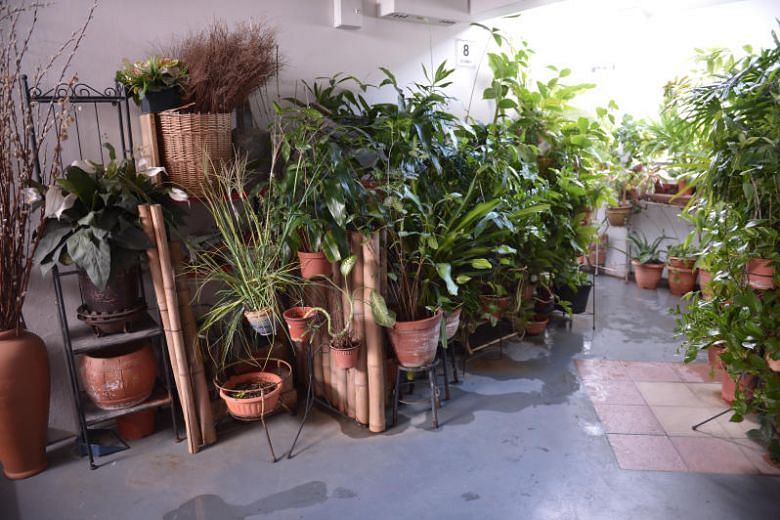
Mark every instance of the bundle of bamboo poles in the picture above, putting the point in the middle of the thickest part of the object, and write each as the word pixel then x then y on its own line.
pixel 173 300
pixel 358 392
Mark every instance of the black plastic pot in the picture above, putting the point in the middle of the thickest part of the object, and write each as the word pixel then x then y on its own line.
pixel 578 298
pixel 160 101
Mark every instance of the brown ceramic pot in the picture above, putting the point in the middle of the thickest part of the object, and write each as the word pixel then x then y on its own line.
pixel 618 216
pixel 253 407
pixel 345 358
pixel 24 403
pixel 728 388
pixel 453 323
pixel 761 274
pixel 119 378
pixel 681 280
pixel 536 326
pixel 705 281
pixel 495 306
pixel 300 322
pixel 314 265
pixel 648 276
pixel 415 342
pixel 121 292
pixel 684 263
pixel 713 357
pixel 136 425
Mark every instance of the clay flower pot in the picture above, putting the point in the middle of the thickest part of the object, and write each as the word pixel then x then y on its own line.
pixel 24 403
pixel 114 309
pixel 728 388
pixel 684 263
pixel 705 282
pixel 495 306
pixel 119 378
pixel 761 274
pixel 452 323
pixel 239 394
pixel 415 342
pixel 774 364
pixel 681 280
pixel 597 253
pixel 261 321
pixel 345 358
pixel 300 322
pixel 713 357
pixel 618 216
pixel 536 325
pixel 136 425
pixel 314 265
pixel 648 276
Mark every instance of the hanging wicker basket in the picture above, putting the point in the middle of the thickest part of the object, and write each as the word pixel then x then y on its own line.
pixel 191 143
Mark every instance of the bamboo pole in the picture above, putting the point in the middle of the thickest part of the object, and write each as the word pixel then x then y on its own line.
pixel 190 331
pixel 180 374
pixel 375 358
pixel 349 375
pixel 327 388
pixel 340 376
pixel 359 330
pixel 334 308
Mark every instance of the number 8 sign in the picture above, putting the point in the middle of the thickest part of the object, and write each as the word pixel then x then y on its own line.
pixel 465 54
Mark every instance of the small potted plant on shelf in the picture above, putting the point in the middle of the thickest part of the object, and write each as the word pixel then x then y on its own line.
pixel 621 206
pixel 155 83
pixel 92 222
pixel 681 259
pixel 646 259
pixel 765 246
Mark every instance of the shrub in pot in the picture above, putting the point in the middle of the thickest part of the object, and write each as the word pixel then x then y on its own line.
pixel 573 292
pixel 155 83
pixel 646 259
pixel 91 221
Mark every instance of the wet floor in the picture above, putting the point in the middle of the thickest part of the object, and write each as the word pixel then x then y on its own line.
pixel 518 439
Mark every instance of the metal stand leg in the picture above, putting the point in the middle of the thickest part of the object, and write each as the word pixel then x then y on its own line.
pixel 268 438
pixel 451 354
pixel 309 398
pixel 434 396
pixel 724 412
pixel 446 373
pixel 396 395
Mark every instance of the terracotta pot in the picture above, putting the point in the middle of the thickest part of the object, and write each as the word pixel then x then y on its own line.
pixel 345 358
pixel 684 263
pixel 681 280
pixel 495 306
pixel 544 305
pixel 761 274
pixel 774 364
pixel 453 323
pixel 728 387
pixel 116 308
pixel 536 326
pixel 648 276
pixel 587 213
pixel 300 322
pixel 618 216
pixel 713 357
pixel 314 265
pixel 601 258
pixel 261 321
pixel 415 342
pixel 24 403
pixel 136 425
pixel 705 281
pixel 528 291
pixel 119 378
pixel 253 407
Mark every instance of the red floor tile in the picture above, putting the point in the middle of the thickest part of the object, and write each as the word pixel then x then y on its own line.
pixel 602 369
pixel 618 418
pixel 646 452
pixel 711 455
pixel 697 373
pixel 613 392
pixel 648 371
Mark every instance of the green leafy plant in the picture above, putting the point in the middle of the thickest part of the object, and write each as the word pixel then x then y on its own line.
pixel 643 250
pixel 91 216
pixel 152 75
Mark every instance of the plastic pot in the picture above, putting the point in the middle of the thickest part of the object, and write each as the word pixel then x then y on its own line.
pixel 761 274
pixel 161 100
pixel 345 358
pixel 251 407
pixel 681 280
pixel 415 342
pixel 314 265
pixel 261 321
pixel 578 298
pixel 648 276
pixel 536 326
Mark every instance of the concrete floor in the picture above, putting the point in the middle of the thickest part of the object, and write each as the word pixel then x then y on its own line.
pixel 519 439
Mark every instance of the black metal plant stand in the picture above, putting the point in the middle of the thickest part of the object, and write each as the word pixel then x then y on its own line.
pixel 80 340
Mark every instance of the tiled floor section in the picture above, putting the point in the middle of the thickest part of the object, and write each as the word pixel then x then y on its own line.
pixel 648 410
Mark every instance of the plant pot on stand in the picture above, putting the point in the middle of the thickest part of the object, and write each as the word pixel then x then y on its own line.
pixel 415 342
pixel 24 403
pixel 536 325
pixel 345 356
pixel 120 377
pixel 314 265
pixel 300 322
pixel 618 216
pixel 115 309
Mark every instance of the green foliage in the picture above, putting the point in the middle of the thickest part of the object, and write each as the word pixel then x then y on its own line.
pixel 151 75
pixel 644 251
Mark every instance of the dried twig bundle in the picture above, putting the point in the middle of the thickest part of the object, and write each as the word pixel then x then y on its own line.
pixel 226 66
pixel 20 167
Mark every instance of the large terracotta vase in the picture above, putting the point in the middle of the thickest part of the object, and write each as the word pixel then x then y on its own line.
pixel 648 276
pixel 24 403
pixel 415 342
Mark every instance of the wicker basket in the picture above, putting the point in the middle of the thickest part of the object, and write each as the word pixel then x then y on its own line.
pixel 189 143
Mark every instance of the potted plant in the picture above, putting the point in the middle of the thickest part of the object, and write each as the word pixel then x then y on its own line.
pixel 24 162
pixel 91 221
pixel 646 260
pixel 573 291
pixel 681 259
pixel 197 136
pixel 155 83
pixel 764 244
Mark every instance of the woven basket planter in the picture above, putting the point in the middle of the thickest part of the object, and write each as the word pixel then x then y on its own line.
pixel 190 142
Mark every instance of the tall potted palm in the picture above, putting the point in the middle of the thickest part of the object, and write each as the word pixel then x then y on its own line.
pixel 24 363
